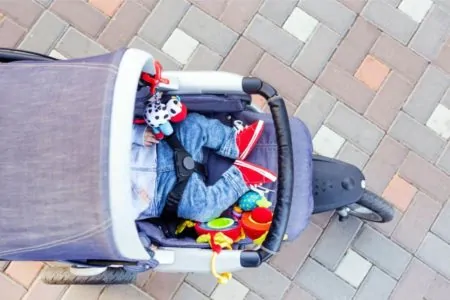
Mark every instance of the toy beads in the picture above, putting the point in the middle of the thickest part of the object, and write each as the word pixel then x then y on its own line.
pixel 250 200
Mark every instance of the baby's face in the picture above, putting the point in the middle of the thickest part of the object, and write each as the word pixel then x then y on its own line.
pixel 149 138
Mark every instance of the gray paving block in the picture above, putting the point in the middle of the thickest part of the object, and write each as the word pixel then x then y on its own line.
pixel 118 292
pixel 335 241
pixel 162 21
pixel 85 292
pixel 427 94
pixel 205 283
pixel 44 34
pixel 442 225
pixel 376 286
pixel 296 293
pixel 432 33
pixel 322 283
pixel 444 161
pixel 167 62
pixel 331 13
pixel 316 52
pixel 74 44
pixel 253 296
pixel 446 99
pixel 439 289
pixel 314 108
pixel 354 127
pixel 352 155
pixel 381 251
pixel 187 292
pixel 277 11
pixel 389 227
pixel 273 39
pixel 45 3
pixel 208 31
pixel 204 59
pixel 391 20
pixel 265 281
pixel 417 137
pixel 3 265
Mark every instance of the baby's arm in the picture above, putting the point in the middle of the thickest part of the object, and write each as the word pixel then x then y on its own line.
pixel 143 136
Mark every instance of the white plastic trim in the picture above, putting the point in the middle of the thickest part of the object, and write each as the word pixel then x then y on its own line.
pixel 124 230
pixel 86 271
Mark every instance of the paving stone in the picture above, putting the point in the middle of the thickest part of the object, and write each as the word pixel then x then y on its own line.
pixel 355 45
pixel 355 128
pixel 393 259
pixel 45 3
pixel 355 5
pixel 313 278
pixel 253 296
pixel 204 59
pixel 435 253
pixel 273 39
pixel 432 34
pixel 56 54
pixel 416 222
pixel 389 100
pixel 322 219
pixel 293 254
pixel 427 94
pixel 295 293
pixel 314 108
pixel 335 241
pixel 205 283
pixel 44 34
pixel 24 272
pixel 346 87
pixel 442 224
pixel 416 9
pixel 384 163
pixel 316 52
pixel 10 33
pixel 238 14
pixel 10 289
pixel 187 292
pixel 289 83
pixel 327 142
pixel 376 286
pixel 165 16
pixel 218 37
pixel 417 137
pixel 123 26
pixel 150 4
pixel 80 14
pixel 180 46
pixel 399 192
pixel 232 290
pixel 300 24
pixel 353 268
pixel 414 282
pixel 389 227
pixel 3 265
pixel 439 289
pixel 213 8
pixel 86 292
pixel 242 58
pixel 108 7
pixel 162 286
pixel 426 177
pixel 333 14
pixel 372 72
pixel 392 21
pixel 443 59
pixel 167 62
pixel 399 57
pixel 119 292
pixel 277 11
pixel 446 99
pixel 75 45
pixel 39 290
pixel 24 14
pixel 351 154
pixel 266 281
pixel 439 121
pixel 444 161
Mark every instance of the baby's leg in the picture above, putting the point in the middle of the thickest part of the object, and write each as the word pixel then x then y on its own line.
pixel 203 203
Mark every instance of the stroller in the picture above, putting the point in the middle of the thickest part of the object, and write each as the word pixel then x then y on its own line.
pixel 65 173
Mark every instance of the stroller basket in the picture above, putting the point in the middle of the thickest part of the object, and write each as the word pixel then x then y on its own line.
pixel 64 167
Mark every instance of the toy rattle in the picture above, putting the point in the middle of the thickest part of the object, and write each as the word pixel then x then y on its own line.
pixel 256 224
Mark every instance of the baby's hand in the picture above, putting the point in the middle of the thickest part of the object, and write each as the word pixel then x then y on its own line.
pixel 149 138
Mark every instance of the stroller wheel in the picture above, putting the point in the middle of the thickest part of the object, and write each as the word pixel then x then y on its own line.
pixel 62 275
pixel 372 207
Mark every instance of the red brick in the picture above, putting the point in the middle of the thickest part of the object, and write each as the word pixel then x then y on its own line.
pixel 399 57
pixel 384 164
pixel 108 7
pixel 10 33
pixel 347 88
pixel 372 72
pixel 294 254
pixel 39 291
pixel 10 290
pixel 150 4
pixel 289 83
pixel 399 192
pixel 426 177
pixel 322 219
pixel 238 13
pixel 389 227
pixel 389 100
pixel 214 8
pixel 296 293
pixel 443 59
pixel 163 286
pixel 80 14
pixel 355 5
pixel 242 58
pixel 124 25
pixel 24 12
pixel 24 272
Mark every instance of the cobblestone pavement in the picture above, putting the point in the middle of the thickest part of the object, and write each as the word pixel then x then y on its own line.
pixel 370 78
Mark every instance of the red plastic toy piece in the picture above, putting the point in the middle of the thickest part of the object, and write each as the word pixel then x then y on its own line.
pixel 156 79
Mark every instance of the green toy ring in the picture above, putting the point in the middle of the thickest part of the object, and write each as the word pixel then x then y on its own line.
pixel 220 223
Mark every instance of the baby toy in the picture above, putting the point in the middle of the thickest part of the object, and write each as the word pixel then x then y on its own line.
pixel 250 200
pixel 154 80
pixel 256 224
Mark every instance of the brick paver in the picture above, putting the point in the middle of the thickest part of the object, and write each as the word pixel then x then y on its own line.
pixel 371 80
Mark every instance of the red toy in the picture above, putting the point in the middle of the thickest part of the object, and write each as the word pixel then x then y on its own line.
pixel 154 80
pixel 256 223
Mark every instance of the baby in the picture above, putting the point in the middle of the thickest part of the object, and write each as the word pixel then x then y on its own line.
pixel 153 161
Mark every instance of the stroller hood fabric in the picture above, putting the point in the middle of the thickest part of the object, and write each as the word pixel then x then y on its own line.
pixel 65 195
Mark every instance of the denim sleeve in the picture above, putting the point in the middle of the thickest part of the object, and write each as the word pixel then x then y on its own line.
pixel 138 134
